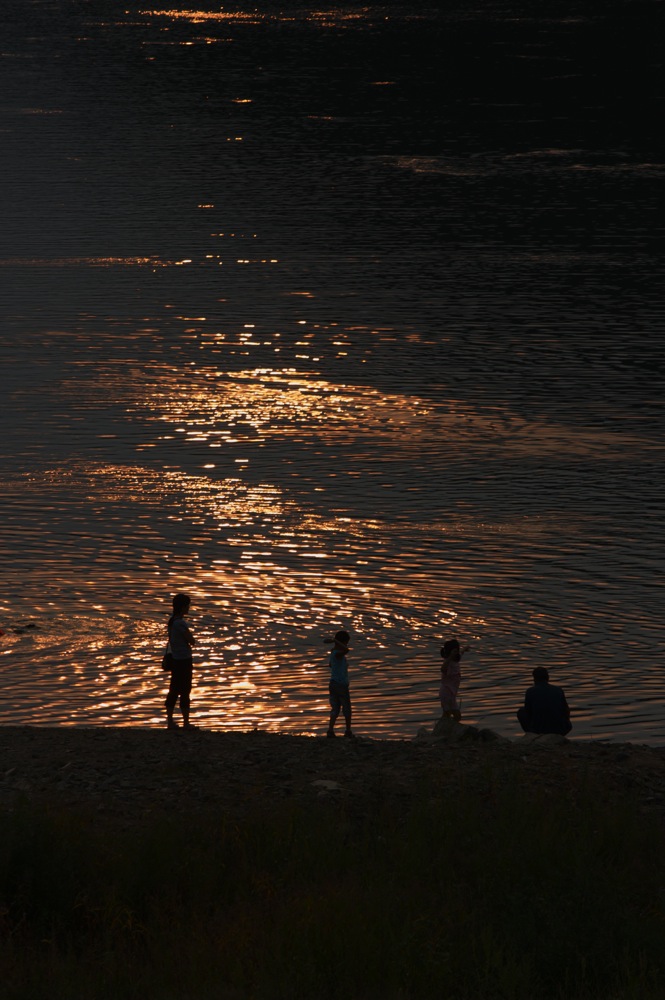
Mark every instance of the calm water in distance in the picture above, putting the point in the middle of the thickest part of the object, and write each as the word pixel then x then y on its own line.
pixel 339 318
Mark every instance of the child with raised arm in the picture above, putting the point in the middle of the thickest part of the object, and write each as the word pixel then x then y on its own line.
pixel 451 675
pixel 340 698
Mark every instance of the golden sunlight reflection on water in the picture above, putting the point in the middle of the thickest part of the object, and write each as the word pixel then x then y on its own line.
pixel 327 18
pixel 338 526
pixel 270 579
pixel 274 567
pixel 216 407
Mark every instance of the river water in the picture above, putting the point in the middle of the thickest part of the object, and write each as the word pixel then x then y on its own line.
pixel 333 318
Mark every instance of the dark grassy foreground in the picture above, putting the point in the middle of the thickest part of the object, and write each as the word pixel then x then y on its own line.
pixel 477 896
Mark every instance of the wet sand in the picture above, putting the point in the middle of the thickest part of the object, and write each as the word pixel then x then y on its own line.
pixel 130 773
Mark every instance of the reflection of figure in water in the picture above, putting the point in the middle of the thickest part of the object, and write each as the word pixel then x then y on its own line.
pixel 340 698
pixel 181 641
pixel 451 676
pixel 545 708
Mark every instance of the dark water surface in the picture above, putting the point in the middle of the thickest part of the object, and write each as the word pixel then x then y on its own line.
pixel 339 317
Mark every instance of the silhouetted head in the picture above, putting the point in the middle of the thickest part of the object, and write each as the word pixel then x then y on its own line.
pixel 540 675
pixel 181 603
pixel 342 637
pixel 452 646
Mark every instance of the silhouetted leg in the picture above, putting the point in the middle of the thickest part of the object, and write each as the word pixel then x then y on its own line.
pixel 171 699
pixel 335 706
pixel 185 691
pixel 522 719
pixel 346 710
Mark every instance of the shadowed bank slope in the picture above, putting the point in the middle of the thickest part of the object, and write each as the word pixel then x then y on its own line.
pixel 146 863
pixel 128 772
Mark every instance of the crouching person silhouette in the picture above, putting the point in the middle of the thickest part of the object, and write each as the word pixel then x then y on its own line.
pixel 545 708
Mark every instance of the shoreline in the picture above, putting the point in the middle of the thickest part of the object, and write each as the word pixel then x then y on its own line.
pixel 128 772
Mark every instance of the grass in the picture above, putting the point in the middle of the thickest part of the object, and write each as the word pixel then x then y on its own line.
pixel 497 896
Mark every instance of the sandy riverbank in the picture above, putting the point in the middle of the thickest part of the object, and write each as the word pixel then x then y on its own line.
pixel 129 772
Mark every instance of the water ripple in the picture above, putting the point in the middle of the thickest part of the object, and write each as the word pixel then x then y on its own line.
pixel 304 317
